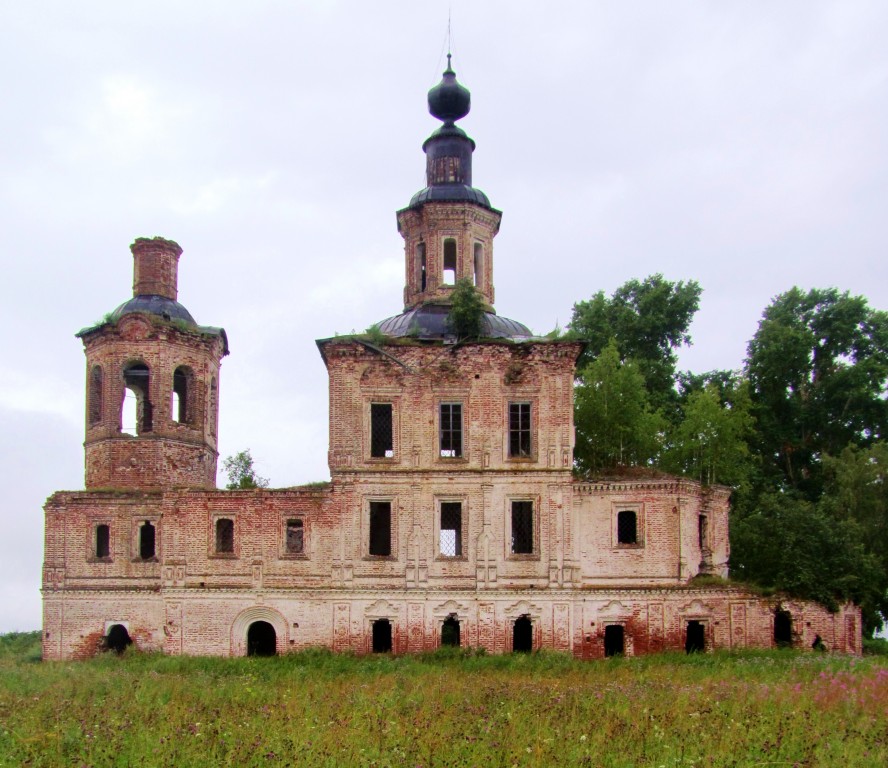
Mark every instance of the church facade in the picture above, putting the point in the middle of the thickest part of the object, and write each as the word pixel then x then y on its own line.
pixel 452 516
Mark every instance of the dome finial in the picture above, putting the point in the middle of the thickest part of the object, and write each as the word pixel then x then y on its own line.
pixel 448 100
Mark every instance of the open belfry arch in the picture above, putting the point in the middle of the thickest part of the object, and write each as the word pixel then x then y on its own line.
pixel 452 517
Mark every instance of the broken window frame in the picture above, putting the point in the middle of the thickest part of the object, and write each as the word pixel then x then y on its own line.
pixel 523 549
pixel 443 507
pixel 519 428
pixel 95 550
pixel 450 430
pixel 298 524
pixel 381 445
pixel 228 549
pixel 379 522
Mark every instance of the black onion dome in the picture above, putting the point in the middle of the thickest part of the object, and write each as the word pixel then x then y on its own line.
pixel 429 322
pixel 448 100
pixel 154 305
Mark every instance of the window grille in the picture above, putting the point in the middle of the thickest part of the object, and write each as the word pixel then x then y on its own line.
pixel 522 527
pixel 381 444
pixel 450 542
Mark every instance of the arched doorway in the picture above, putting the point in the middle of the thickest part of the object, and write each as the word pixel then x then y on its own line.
pixel 782 628
pixel 117 639
pixel 695 642
pixel 261 639
pixel 382 636
pixel 450 632
pixel 522 635
pixel 614 640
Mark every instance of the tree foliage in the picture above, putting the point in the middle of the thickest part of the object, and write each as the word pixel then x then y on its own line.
pixel 818 366
pixel 467 309
pixel 615 425
pixel 649 320
pixel 241 472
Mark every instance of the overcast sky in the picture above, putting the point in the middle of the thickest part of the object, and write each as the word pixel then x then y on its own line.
pixel 742 145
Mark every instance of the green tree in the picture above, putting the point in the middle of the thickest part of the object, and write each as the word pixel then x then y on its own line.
pixel 467 307
pixel 649 321
pixel 818 367
pixel 790 544
pixel 241 472
pixel 615 424
pixel 710 442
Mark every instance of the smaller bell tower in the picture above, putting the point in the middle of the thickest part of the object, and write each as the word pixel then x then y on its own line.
pixel 152 384
pixel 449 226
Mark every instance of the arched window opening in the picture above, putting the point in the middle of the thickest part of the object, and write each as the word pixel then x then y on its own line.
pixel 224 536
pixel 95 395
pixel 614 640
pixel 261 639
pixel 476 263
pixel 627 528
pixel 695 641
pixel 421 262
pixel 146 541
pixel 782 628
pixel 117 639
pixel 449 276
pixel 137 411
pixel 103 540
pixel 522 635
pixel 183 408
pixel 382 636
pixel 450 632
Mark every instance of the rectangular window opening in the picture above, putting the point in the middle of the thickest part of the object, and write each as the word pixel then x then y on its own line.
pixel 451 430
pixel 103 541
pixel 522 527
pixel 146 541
pixel 449 276
pixel 381 432
pixel 225 536
pixel 627 527
pixel 450 540
pixel 295 537
pixel 519 430
pixel 381 528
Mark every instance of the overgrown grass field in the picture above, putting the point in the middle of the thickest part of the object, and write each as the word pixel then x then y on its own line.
pixel 777 708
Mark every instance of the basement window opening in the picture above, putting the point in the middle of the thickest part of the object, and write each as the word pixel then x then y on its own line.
pixel 380 543
pixel 382 636
pixel 450 632
pixel 118 639
pixel 450 541
pixel 614 640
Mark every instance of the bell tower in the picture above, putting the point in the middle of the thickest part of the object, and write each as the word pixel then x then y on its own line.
pixel 152 384
pixel 449 226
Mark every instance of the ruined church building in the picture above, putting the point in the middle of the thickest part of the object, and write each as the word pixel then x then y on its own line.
pixel 452 516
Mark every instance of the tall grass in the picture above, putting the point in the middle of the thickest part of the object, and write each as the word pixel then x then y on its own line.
pixel 446 709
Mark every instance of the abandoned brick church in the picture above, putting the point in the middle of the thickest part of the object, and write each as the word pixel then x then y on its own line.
pixel 452 515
